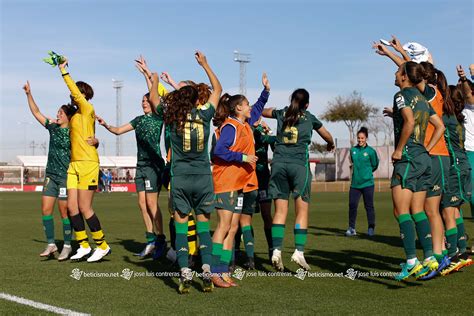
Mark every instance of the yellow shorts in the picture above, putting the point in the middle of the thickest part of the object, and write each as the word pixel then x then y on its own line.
pixel 83 175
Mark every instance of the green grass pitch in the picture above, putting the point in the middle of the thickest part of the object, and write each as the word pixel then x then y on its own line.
pixel 328 252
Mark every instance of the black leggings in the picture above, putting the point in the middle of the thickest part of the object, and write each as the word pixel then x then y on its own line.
pixel 354 197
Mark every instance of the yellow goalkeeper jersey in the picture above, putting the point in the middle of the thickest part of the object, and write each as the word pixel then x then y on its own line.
pixel 81 125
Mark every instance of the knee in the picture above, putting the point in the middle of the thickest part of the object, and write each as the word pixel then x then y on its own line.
pixel 223 227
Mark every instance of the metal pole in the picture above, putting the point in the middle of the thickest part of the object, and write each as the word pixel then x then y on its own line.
pixel 242 59
pixel 118 84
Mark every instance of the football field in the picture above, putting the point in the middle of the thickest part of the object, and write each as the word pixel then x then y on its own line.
pixel 350 275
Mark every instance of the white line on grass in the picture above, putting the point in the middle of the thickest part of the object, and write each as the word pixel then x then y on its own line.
pixel 37 305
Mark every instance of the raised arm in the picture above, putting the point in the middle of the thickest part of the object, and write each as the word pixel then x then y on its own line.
pixel 142 67
pixel 383 50
pixel 407 130
pixel 438 132
pixel 215 84
pixel 154 95
pixel 167 78
pixel 324 133
pixel 115 130
pixel 32 104
pixel 465 86
pixel 399 48
pixel 77 96
pixel 257 108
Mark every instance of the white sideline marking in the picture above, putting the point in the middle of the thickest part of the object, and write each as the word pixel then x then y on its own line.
pixel 37 305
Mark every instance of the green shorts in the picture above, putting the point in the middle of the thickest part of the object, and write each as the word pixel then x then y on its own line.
pixel 263 177
pixel 230 201
pixel 250 202
pixel 55 186
pixel 289 178
pixel 439 175
pixel 192 192
pixel 414 175
pixel 459 190
pixel 148 179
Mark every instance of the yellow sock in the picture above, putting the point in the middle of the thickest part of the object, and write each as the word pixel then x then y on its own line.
pixel 99 239
pixel 82 239
pixel 192 238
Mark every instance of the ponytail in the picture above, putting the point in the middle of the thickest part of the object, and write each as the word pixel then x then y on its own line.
pixel 226 107
pixel 299 101
pixel 442 85
pixel 457 100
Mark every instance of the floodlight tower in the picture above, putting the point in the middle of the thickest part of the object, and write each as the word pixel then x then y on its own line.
pixel 118 85
pixel 243 59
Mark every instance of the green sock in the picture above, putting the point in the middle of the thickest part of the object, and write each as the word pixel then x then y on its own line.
pixel 439 257
pixel 423 230
pixel 205 242
pixel 445 252
pixel 216 256
pixel 451 241
pixel 278 231
pixel 150 237
pixel 248 241
pixel 461 235
pixel 300 238
pixel 67 231
pixel 48 225
pixel 182 250
pixel 407 233
pixel 226 256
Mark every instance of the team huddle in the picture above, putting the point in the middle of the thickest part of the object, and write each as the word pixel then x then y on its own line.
pixel 232 176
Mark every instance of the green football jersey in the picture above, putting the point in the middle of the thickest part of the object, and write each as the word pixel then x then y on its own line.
pixel 148 129
pixel 422 110
pixel 189 148
pixel 262 142
pixel 292 142
pixel 59 153
pixel 454 136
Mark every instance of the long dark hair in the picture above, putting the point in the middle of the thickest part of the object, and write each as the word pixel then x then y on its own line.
pixel 415 72
pixel 69 110
pixel 458 102
pixel 299 101
pixel 179 104
pixel 226 107
pixel 437 78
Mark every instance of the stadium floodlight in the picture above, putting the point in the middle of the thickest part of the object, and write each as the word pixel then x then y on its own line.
pixel 118 85
pixel 242 59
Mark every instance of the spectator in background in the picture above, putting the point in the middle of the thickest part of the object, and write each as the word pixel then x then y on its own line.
pixel 109 181
pixel 102 181
pixel 364 162
pixel 128 177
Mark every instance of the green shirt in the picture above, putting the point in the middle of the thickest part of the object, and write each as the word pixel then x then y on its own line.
pixel 262 142
pixel 422 110
pixel 292 143
pixel 59 153
pixel 189 148
pixel 364 163
pixel 148 129
pixel 454 135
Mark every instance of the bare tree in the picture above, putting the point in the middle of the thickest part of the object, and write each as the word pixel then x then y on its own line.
pixel 387 124
pixel 375 126
pixel 352 110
